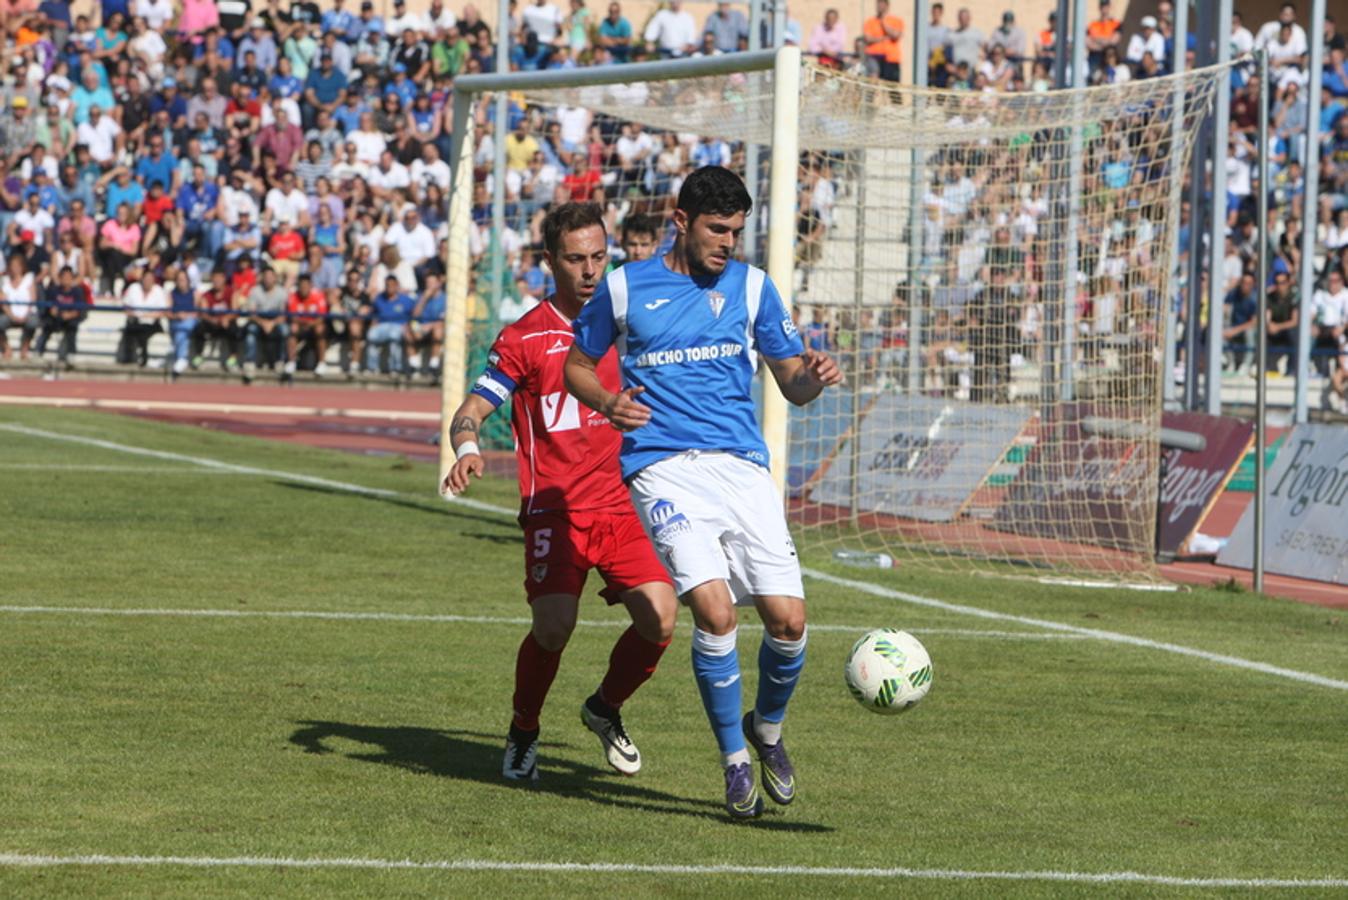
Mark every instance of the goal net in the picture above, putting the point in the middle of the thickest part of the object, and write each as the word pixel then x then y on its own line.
pixel 991 270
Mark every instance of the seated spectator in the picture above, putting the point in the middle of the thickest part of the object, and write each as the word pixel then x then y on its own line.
pixel 1330 324
pixel 118 243
pixel 1147 40
pixel 182 321
pixel 266 310
pixel 426 330
pixel 415 242
pixel 146 305
pixel 1284 302
pixel 285 252
pixel 354 304
pixel 242 240
pixel 19 294
pixel 218 321
pixel 1242 305
pixel 308 310
pixel 392 310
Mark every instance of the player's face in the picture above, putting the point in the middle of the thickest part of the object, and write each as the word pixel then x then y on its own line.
pixel 710 240
pixel 579 263
pixel 638 246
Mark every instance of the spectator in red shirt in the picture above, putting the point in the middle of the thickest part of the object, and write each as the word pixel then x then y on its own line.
pixel 244 279
pixel 219 321
pixel 286 249
pixel 582 181
pixel 308 309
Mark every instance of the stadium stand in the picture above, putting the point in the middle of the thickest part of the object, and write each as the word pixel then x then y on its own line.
pixel 243 138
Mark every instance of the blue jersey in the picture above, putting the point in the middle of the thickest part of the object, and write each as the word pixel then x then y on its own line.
pixel 693 344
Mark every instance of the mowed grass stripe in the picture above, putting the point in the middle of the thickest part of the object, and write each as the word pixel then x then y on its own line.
pixel 853 584
pixel 337 615
pixel 485 865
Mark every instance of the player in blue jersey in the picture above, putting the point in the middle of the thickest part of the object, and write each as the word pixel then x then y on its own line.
pixel 690 326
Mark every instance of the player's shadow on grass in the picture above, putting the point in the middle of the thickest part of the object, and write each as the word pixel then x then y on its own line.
pixel 429 507
pixel 473 756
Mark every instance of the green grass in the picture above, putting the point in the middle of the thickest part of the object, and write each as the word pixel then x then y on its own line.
pixel 284 737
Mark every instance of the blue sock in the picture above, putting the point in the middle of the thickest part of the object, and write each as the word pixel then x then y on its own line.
pixel 779 666
pixel 716 666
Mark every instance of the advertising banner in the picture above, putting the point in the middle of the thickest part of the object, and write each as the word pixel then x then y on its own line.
pixel 1084 486
pixel 920 457
pixel 1193 481
pixel 1305 511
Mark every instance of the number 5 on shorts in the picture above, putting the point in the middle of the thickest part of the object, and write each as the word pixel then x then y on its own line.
pixel 542 542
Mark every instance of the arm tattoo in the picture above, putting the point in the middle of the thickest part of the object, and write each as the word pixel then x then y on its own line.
pixel 466 425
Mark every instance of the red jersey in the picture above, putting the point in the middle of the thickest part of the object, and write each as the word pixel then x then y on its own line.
pixel 286 245
pixel 316 304
pixel 567 453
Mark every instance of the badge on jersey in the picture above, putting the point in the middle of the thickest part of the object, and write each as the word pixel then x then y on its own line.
pixel 717 301
pixel 540 572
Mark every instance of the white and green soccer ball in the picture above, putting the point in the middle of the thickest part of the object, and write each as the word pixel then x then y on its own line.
pixel 888 671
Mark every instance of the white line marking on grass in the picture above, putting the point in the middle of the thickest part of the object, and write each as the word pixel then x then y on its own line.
pixel 126 470
pixel 877 590
pixel 224 408
pixel 220 465
pixel 486 865
pixel 472 620
pixel 1113 637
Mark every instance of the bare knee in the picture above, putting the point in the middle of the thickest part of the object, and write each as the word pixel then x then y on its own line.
pixel 554 620
pixel 783 617
pixel 654 610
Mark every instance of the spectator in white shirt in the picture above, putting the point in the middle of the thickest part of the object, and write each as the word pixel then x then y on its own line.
pixel 101 135
pixel 430 169
pixel 388 178
pixel 403 20
pixel 672 31
pixel 1148 40
pixel 369 140
pixel 286 203
pixel 1268 32
pixel 414 240
pixel 156 13
pixel 1242 41
pixel 544 20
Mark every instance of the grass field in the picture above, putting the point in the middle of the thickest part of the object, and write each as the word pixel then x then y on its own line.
pixel 219 649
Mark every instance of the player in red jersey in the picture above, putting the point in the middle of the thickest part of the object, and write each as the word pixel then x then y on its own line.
pixel 574 508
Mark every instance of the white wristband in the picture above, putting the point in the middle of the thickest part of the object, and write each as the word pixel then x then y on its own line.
pixel 466 448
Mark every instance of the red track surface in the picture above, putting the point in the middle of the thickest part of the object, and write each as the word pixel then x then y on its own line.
pixel 384 422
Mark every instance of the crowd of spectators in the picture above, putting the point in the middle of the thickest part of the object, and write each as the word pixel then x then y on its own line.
pixel 269 178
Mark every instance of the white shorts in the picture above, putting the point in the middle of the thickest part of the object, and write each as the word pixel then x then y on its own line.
pixel 713 515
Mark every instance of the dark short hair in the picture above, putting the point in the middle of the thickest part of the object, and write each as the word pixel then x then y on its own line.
pixel 637 223
pixel 715 191
pixel 567 218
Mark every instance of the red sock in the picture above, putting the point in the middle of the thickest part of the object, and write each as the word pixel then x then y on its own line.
pixel 631 663
pixel 535 668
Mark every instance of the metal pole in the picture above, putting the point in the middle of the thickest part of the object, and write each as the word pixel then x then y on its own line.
pixel 1060 45
pixel 454 380
pixel 1217 239
pixel 917 191
pixel 660 70
pixel 1261 333
pixel 1066 387
pixel 782 234
pixel 778 23
pixel 1203 150
pixel 858 290
pixel 1178 106
pixel 1309 211
pixel 751 164
pixel 498 166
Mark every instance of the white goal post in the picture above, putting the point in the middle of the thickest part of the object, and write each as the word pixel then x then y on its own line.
pixel 784 63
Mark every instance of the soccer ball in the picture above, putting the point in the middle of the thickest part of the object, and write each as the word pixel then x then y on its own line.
pixel 888 671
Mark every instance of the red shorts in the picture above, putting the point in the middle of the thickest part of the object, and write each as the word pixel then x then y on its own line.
pixel 561 548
